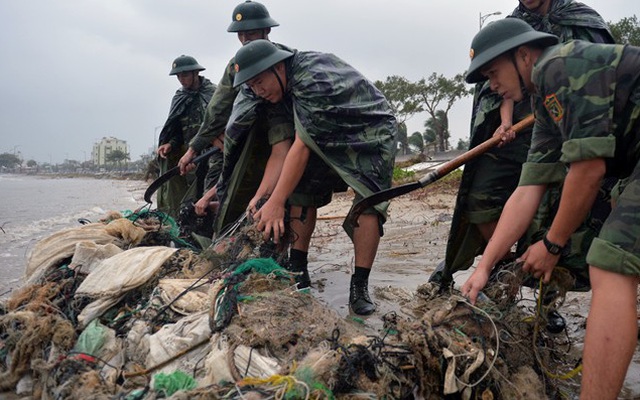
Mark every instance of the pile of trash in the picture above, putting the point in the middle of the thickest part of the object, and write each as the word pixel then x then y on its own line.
pixel 123 309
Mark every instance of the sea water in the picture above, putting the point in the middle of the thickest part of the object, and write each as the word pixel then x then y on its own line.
pixel 34 207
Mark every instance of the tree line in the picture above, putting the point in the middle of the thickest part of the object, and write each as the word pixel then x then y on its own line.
pixel 437 94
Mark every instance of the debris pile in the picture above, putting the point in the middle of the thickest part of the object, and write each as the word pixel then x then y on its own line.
pixel 123 309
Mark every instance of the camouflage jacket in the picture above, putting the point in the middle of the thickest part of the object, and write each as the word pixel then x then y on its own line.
pixel 567 19
pixel 218 110
pixel 186 113
pixel 587 106
pixel 344 119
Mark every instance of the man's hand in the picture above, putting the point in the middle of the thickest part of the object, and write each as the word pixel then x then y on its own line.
pixel 251 208
pixel 538 261
pixel 201 206
pixel 185 163
pixel 476 282
pixel 270 220
pixel 506 134
pixel 206 201
pixel 164 150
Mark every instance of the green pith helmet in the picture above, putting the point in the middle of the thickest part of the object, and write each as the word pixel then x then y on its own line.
pixel 250 15
pixel 184 64
pixel 498 38
pixel 255 57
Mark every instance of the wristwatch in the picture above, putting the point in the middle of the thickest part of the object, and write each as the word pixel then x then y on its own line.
pixel 552 248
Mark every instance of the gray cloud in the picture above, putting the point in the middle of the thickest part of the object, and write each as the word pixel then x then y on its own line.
pixel 74 71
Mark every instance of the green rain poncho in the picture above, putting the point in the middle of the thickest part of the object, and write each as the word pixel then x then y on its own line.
pixel 340 115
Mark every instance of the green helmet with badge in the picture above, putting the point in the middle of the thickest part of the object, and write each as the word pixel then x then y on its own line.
pixel 249 16
pixel 500 37
pixel 185 64
pixel 255 57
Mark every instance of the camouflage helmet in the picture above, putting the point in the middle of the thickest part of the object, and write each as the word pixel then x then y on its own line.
pixel 498 38
pixel 185 64
pixel 250 15
pixel 255 57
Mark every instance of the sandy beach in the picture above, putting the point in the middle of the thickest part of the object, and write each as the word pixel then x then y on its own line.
pixel 414 242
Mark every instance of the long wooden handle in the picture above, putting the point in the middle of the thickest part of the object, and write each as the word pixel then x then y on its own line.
pixel 482 148
pixel 433 176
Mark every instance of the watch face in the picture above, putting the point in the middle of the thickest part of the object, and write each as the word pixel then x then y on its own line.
pixel 551 247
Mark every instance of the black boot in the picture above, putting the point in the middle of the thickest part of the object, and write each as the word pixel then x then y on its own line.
pixel 302 277
pixel 359 300
pixel 437 275
pixel 303 280
pixel 555 322
pixel 298 263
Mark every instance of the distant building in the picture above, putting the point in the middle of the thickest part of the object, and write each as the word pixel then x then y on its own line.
pixel 103 148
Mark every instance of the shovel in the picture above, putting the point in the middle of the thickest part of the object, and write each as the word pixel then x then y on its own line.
pixel 162 179
pixel 431 177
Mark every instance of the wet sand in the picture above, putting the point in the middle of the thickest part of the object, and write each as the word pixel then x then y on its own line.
pixel 414 241
pixel 413 244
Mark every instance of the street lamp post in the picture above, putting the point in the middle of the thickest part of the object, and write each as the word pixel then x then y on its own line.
pixel 482 18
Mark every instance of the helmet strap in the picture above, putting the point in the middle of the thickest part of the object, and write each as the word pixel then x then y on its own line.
pixel 272 69
pixel 523 88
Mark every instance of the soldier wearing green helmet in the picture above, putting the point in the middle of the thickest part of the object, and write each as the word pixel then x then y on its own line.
pixel 245 178
pixel 249 16
pixel 185 116
pixel 488 181
pixel 185 64
pixel 587 103
pixel 345 136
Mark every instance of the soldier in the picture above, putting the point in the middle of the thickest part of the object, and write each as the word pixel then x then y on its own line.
pixel 345 133
pixel 241 182
pixel 488 181
pixel 185 117
pixel 587 105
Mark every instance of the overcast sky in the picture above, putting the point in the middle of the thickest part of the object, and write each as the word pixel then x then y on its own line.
pixel 74 71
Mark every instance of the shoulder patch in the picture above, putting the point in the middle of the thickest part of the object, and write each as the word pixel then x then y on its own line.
pixel 554 107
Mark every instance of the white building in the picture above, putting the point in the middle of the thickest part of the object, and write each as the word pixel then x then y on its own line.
pixel 103 148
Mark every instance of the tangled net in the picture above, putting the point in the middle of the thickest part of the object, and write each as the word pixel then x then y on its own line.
pixel 262 338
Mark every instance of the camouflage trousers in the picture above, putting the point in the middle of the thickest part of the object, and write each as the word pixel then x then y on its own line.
pixel 317 186
pixel 617 247
pixel 214 170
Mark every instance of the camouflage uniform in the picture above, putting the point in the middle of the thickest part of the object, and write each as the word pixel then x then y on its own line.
pixel 348 125
pixel 184 120
pixel 588 106
pixel 246 147
pixel 215 119
pixel 344 120
pixel 488 181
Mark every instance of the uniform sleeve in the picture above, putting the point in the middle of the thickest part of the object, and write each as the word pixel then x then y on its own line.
pixel 543 164
pixel 280 123
pixel 577 96
pixel 217 112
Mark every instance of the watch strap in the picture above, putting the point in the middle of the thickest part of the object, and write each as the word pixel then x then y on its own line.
pixel 552 248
